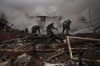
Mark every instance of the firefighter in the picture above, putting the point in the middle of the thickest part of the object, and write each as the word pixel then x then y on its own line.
pixel 50 33
pixel 26 30
pixel 49 29
pixel 36 29
pixel 66 26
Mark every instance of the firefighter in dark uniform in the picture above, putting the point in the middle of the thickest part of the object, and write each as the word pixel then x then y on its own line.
pixel 36 29
pixel 66 26
pixel 26 30
pixel 34 38
pixel 49 29
pixel 50 33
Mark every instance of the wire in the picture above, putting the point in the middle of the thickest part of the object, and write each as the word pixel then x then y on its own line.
pixel 89 26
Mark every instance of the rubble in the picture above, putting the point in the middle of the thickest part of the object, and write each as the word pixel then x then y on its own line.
pixel 35 51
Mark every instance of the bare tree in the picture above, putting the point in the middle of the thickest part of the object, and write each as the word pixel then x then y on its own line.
pixel 3 22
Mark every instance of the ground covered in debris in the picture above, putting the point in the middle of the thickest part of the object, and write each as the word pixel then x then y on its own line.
pixel 33 50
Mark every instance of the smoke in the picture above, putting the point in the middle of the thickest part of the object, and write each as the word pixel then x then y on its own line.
pixel 19 11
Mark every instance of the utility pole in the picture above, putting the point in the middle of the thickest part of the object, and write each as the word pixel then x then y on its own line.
pixel 91 18
pixel 90 15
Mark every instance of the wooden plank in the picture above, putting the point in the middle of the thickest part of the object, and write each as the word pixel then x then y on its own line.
pixel 81 38
pixel 15 50
pixel 91 39
pixel 79 48
pixel 69 48
pixel 57 54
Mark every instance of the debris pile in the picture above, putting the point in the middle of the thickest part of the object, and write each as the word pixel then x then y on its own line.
pixel 27 51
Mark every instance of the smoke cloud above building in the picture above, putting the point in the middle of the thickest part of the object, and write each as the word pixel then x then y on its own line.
pixel 18 11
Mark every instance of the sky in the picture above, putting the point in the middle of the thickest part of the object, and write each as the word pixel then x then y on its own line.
pixel 18 11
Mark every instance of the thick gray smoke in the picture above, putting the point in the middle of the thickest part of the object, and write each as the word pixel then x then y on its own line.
pixel 19 11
